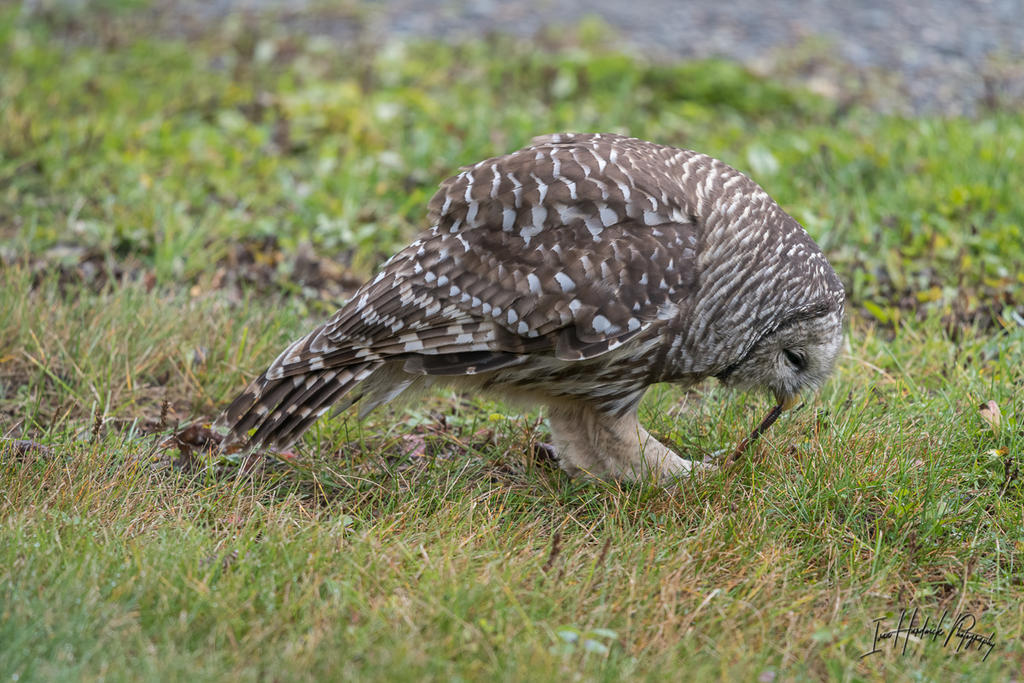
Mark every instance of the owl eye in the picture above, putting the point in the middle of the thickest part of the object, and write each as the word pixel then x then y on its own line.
pixel 795 359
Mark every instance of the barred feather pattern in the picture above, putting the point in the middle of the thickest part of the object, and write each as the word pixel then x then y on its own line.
pixel 585 267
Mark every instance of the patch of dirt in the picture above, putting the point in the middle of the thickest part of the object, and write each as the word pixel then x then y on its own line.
pixel 250 267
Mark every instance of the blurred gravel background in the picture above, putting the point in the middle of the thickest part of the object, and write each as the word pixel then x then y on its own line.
pixel 951 56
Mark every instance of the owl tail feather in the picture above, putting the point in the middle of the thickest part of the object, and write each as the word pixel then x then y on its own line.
pixel 280 410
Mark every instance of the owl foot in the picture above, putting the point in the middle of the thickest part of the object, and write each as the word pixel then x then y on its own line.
pixel 589 442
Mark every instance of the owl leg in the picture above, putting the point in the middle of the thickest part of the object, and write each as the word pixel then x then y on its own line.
pixel 592 442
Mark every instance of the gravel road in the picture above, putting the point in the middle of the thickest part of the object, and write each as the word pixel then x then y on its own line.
pixel 941 55
pixel 946 55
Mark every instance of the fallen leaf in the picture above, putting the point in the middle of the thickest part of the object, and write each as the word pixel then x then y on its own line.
pixel 414 446
pixel 989 412
pixel 288 456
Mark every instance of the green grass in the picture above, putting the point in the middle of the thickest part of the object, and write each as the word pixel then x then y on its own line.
pixel 158 196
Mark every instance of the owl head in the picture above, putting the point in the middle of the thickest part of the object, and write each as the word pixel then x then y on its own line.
pixel 792 359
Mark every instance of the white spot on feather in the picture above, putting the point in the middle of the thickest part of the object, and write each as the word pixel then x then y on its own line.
pixel 517 189
pixel 565 282
pixel 667 311
pixel 608 216
pixel 624 189
pixel 508 219
pixel 534 283
pixel 653 218
pixel 495 182
pixel 542 189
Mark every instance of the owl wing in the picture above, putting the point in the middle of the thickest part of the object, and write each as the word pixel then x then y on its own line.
pixel 568 247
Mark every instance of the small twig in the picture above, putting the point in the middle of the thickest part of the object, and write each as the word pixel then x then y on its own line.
pixel 97 423
pixel 760 429
pixel 165 408
pixel 556 547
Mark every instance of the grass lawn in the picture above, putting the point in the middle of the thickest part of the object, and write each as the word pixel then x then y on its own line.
pixel 175 206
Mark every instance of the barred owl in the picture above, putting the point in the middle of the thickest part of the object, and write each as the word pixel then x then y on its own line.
pixel 573 274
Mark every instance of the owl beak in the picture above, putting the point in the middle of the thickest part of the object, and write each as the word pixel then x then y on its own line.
pixel 787 402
